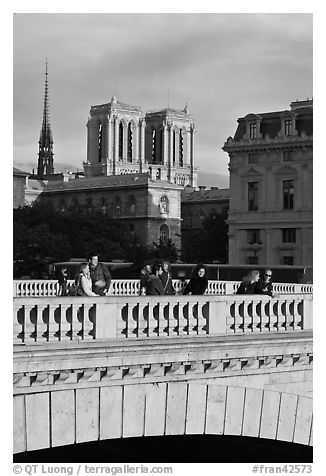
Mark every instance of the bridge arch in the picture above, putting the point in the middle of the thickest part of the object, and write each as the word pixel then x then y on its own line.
pixel 63 417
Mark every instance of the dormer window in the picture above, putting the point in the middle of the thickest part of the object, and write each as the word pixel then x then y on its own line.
pixel 253 130
pixel 288 127
pixel 253 158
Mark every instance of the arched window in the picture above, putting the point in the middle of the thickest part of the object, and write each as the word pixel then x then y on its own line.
pixel 164 233
pixel 181 148
pixel 100 141
pixel 164 204
pixel 117 207
pixel 158 174
pixel 129 147
pixel 154 139
pixel 173 147
pixel 131 208
pixel 120 140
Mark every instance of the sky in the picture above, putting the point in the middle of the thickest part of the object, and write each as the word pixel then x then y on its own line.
pixel 223 66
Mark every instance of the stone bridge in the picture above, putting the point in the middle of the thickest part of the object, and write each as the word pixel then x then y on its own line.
pixel 88 369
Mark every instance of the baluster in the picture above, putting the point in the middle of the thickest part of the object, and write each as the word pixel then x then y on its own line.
pixel 192 318
pixel 241 315
pixel 121 325
pixel 53 326
pixel 172 320
pixel 87 323
pixel 132 325
pixel 41 326
pixel 162 322
pixel 273 322
pixel 230 320
pixel 151 320
pixel 183 321
pixel 280 315
pixel 142 323
pixel 76 326
pixel 29 327
pixel 247 324
pixel 256 318
pixel 18 328
pixel 202 322
pixel 297 318
pixel 289 318
pixel 64 324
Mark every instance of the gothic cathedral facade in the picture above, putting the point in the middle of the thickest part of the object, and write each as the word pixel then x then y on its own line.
pixel 122 139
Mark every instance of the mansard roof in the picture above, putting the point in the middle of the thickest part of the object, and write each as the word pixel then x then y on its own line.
pixel 271 122
pixel 112 181
pixel 213 194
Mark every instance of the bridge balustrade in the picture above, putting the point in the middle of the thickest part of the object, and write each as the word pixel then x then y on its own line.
pixel 131 287
pixel 57 319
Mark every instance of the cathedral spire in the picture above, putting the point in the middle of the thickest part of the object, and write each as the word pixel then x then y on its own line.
pixel 45 154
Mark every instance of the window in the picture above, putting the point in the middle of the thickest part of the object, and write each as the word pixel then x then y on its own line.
pixel 252 259
pixel 164 233
pixel 252 158
pixel 252 196
pixel 154 145
pixel 288 127
pixel 164 204
pixel 62 206
pixel 181 149
pixel 253 236
pixel 288 190
pixel 288 260
pixel 129 145
pixel 117 207
pixel 288 156
pixel 89 205
pixel 120 140
pixel 288 235
pixel 131 207
pixel 173 148
pixel 158 174
pixel 189 219
pixel 100 141
pixel 252 130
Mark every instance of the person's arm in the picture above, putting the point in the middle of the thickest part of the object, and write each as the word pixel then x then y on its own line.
pixel 85 287
pixel 241 289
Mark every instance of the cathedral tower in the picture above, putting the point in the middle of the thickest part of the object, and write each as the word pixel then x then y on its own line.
pixel 115 139
pixel 45 154
pixel 169 146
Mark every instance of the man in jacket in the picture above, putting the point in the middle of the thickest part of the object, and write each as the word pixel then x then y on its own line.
pixel 100 275
pixel 264 285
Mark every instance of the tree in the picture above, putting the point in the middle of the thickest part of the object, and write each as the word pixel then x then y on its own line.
pixel 208 244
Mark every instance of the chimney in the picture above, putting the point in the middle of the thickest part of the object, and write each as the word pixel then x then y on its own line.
pixel 202 187
pixel 298 104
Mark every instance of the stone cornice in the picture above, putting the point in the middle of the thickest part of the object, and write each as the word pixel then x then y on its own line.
pixel 263 144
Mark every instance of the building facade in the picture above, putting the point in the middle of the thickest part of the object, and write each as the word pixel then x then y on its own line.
pixel 197 205
pixel 150 208
pixel 122 139
pixel 271 176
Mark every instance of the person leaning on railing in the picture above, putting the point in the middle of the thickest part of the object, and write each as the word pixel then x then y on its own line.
pixel 264 284
pixel 84 282
pixel 249 283
pixel 198 283
pixel 100 275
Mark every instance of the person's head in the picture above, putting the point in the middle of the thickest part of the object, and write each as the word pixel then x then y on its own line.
pixel 157 269
pixel 84 268
pixel 253 276
pixel 148 268
pixel 201 271
pixel 267 275
pixel 93 259
pixel 166 266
